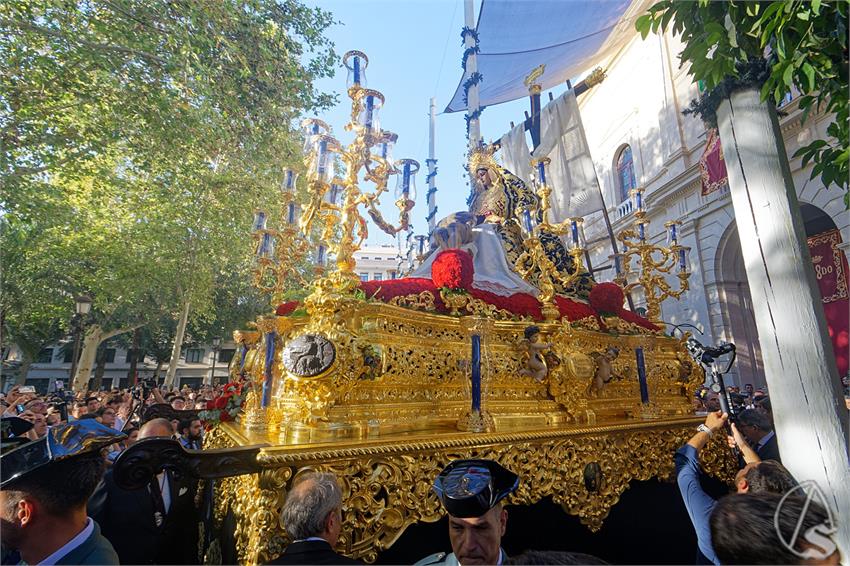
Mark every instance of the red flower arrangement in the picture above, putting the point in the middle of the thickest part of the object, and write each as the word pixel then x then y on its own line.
pixel 384 291
pixel 453 269
pixel 284 309
pixel 629 316
pixel 227 406
pixel 606 298
pixel 573 310
pixel 520 304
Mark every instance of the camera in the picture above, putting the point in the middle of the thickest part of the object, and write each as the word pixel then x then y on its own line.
pixel 707 354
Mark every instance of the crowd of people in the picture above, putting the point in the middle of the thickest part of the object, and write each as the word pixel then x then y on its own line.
pixel 61 504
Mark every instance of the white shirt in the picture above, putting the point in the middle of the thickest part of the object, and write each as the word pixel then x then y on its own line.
pixel 165 489
pixel 71 544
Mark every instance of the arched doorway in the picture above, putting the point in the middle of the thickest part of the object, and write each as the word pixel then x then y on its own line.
pixel 737 310
pixel 736 301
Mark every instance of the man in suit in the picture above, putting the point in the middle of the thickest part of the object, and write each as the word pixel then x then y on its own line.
pixel 312 515
pixel 472 492
pixel 757 429
pixel 44 487
pixel 157 524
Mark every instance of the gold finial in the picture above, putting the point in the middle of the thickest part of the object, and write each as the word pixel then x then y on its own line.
pixel 595 77
pixel 530 80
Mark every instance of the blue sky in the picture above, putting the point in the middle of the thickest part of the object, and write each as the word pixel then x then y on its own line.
pixel 414 49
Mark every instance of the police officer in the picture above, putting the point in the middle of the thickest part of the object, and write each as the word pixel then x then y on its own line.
pixel 44 487
pixel 472 492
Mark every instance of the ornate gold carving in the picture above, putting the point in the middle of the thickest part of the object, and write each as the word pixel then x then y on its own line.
pixel 421 301
pixel 386 484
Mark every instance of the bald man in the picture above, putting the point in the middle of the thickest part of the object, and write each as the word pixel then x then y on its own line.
pixel 157 524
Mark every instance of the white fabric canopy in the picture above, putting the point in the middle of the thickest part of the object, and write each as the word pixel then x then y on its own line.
pixel 568 36
pixel 572 175
pixel 514 153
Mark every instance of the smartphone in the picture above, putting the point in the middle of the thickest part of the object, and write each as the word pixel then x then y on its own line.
pixel 20 408
pixel 27 389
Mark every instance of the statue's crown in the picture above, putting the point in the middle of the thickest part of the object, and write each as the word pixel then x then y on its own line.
pixel 482 157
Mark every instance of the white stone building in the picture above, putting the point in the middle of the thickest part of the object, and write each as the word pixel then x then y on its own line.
pixel 376 263
pixel 638 137
pixel 53 364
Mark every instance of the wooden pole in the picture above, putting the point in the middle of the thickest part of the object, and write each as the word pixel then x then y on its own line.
pixel 809 413
pixel 473 105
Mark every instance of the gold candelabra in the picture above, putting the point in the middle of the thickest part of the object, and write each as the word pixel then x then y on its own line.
pixel 369 156
pixel 656 262
pixel 278 252
pixel 535 256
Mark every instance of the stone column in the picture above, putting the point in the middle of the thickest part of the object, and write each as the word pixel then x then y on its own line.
pixel 809 412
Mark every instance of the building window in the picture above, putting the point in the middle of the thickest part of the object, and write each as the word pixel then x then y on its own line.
pixel 68 353
pixel 365 257
pixel 378 277
pixel 625 173
pixel 45 356
pixel 226 355
pixel 140 358
pixel 109 355
pixel 392 275
pixel 364 276
pixel 194 355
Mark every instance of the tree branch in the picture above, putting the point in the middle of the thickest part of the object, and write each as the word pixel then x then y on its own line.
pixel 94 45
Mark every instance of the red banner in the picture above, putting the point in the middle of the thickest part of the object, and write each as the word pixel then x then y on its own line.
pixel 712 166
pixel 831 272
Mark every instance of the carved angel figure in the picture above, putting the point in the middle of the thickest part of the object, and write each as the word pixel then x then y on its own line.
pixel 604 370
pixel 536 361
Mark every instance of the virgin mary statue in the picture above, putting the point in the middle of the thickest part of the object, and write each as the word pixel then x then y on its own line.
pixel 492 233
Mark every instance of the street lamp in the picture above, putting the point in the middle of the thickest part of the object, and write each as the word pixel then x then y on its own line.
pixel 216 346
pixel 82 309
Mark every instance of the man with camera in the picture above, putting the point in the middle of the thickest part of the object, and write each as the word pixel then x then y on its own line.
pixel 756 476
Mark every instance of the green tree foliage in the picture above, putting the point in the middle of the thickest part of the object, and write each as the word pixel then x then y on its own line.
pixel 804 44
pixel 136 138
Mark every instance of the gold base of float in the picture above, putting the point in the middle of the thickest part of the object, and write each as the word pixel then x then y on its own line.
pixel 385 415
pixel 386 481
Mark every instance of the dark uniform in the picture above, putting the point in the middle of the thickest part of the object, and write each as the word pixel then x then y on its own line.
pixel 470 488
pixel 64 446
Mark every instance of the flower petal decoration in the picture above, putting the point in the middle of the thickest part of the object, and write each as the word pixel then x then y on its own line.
pixel 453 269
pixel 607 298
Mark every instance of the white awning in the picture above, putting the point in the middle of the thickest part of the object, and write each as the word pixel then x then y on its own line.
pixel 569 37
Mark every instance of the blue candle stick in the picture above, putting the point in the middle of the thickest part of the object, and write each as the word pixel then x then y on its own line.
pixel 528 225
pixel 641 369
pixel 321 158
pixel 267 377
pixel 290 214
pixel 541 172
pixel 320 259
pixel 574 232
pixel 683 259
pixel 641 232
pixel 476 373
pixel 356 70
pixel 370 107
pixel 405 182
pixel 673 236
